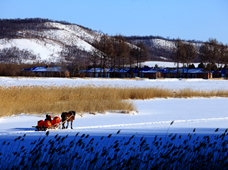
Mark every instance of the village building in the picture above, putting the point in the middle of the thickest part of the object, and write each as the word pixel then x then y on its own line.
pixel 96 72
pixel 124 73
pixel 48 71
pixel 187 73
pixel 151 74
pixel 224 73
pixel 148 73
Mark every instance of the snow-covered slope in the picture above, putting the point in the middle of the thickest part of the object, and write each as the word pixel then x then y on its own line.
pixel 77 31
pixel 46 50
pixel 50 42
pixel 167 44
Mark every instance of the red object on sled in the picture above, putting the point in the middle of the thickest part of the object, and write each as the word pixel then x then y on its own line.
pixel 56 120
pixel 40 123
pixel 47 123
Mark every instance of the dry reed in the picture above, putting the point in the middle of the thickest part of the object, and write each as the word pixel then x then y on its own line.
pixel 53 99
pixel 56 99
pixel 188 152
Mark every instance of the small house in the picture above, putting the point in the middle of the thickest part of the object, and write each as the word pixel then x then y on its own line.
pixel 151 74
pixel 188 73
pixel 98 72
pixel 49 71
pixel 224 73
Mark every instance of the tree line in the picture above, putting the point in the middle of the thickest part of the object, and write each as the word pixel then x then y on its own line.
pixel 14 28
pixel 14 69
pixel 115 52
pixel 14 55
pixel 211 54
pixel 132 38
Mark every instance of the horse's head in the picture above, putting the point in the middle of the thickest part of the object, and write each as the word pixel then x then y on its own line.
pixel 72 112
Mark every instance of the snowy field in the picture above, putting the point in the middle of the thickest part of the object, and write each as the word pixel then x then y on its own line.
pixel 153 118
pixel 153 115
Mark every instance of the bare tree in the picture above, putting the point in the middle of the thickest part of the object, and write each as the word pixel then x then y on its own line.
pixel 107 51
pixel 122 50
pixel 204 52
pixel 74 58
pixel 113 63
pixel 95 57
pixel 190 53
pixel 103 51
pixel 15 55
pixel 132 54
pixel 142 55
pixel 214 52
pixel 209 53
pixel 224 56
pixel 178 53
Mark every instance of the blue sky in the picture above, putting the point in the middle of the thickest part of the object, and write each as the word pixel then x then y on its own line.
pixel 186 19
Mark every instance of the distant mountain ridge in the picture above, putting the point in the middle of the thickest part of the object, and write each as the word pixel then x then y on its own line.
pixel 159 48
pixel 46 39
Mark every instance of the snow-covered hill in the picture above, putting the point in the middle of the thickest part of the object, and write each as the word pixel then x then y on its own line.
pixel 49 43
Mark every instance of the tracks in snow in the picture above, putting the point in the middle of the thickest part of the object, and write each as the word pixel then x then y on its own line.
pixel 160 123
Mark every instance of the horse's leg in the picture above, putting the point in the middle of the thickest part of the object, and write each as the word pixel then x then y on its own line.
pixel 67 124
pixel 63 126
pixel 71 124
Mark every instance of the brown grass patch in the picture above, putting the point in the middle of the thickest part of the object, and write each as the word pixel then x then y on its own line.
pixel 54 99
pixel 46 99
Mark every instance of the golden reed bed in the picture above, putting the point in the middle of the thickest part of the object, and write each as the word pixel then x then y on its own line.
pixel 55 99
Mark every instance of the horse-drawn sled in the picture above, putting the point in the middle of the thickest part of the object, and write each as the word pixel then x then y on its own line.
pixel 56 122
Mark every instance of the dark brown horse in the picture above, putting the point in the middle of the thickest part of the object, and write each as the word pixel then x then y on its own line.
pixel 65 116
